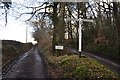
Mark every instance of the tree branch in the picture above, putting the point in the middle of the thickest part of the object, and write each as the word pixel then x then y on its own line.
pixel 35 7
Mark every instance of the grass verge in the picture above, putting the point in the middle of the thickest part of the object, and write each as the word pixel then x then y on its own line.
pixel 71 66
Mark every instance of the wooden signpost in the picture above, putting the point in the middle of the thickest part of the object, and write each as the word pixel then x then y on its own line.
pixel 80 30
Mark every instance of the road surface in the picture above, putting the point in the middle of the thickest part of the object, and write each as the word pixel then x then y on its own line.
pixel 30 65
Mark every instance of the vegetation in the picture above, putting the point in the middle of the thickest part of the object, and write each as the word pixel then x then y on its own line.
pixel 71 66
pixel 100 37
pixel 13 49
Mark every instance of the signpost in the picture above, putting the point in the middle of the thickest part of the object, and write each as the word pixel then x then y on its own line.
pixel 80 30
pixel 59 47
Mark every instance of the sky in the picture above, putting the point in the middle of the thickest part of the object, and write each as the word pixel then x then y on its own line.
pixel 16 28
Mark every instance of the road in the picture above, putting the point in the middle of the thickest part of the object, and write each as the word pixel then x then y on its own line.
pixel 109 64
pixel 30 65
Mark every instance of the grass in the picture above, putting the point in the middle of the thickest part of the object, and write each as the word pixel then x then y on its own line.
pixel 13 49
pixel 71 66
pixel 8 53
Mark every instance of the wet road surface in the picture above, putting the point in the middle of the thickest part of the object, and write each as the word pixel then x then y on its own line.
pixel 28 66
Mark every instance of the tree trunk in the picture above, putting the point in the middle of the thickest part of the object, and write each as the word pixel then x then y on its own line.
pixel 55 20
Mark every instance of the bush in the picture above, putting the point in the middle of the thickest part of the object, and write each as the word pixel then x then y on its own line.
pixel 104 50
pixel 82 72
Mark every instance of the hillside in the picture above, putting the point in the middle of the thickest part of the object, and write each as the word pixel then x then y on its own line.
pixel 12 49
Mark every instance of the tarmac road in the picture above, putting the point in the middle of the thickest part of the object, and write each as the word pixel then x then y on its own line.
pixel 28 66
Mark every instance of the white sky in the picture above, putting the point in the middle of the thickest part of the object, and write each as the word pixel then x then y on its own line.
pixel 15 29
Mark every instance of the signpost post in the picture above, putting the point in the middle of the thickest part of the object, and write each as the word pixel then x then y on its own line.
pixel 80 30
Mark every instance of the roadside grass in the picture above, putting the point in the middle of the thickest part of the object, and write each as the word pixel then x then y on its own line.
pixel 71 66
pixel 8 53
pixel 12 50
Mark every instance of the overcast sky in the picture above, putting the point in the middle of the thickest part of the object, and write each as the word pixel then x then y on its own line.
pixel 16 28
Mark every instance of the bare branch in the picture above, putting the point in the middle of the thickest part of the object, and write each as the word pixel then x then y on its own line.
pixel 35 7
pixel 35 10
pixel 33 13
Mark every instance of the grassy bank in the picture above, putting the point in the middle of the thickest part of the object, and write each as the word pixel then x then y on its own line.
pixel 13 49
pixel 71 66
